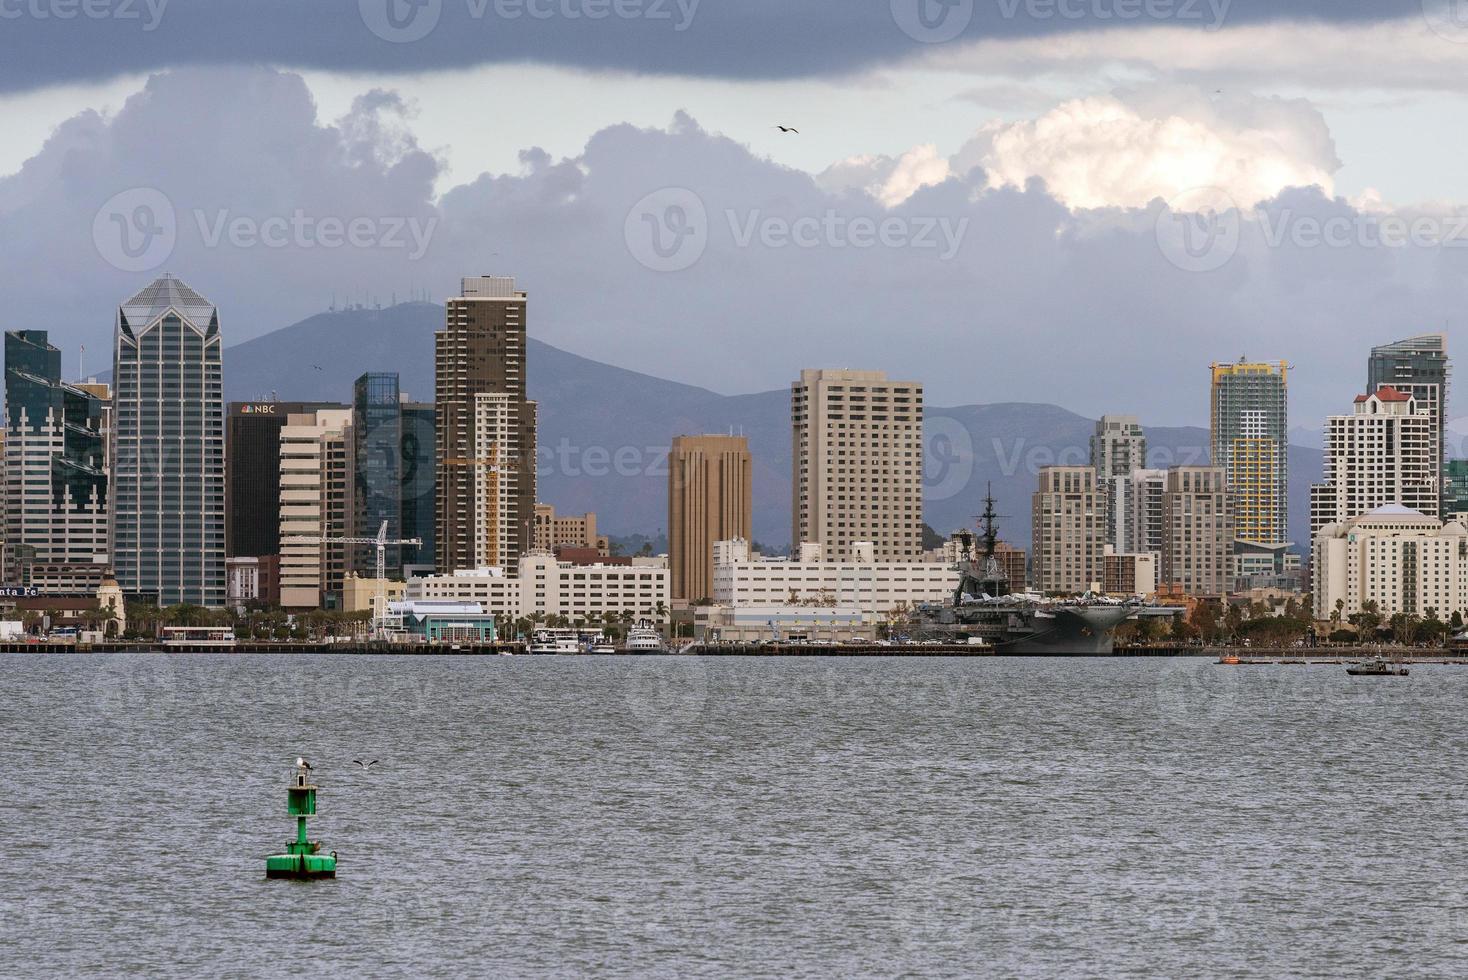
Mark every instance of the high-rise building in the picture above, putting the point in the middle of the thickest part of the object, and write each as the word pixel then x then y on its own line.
pixel 578 531
pixel 710 499
pixel 1068 527
pixel 1144 527
pixel 419 479
pixel 168 456
pixel 1118 446
pixel 1198 532
pixel 316 505
pixel 1394 557
pixel 857 463
pixel 485 429
pixel 377 494
pixel 56 523
pixel 1249 427
pixel 252 474
pixel 1385 452
pixel 1455 494
pixel 1418 367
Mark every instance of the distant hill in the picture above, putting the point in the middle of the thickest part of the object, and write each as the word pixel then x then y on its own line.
pixel 604 430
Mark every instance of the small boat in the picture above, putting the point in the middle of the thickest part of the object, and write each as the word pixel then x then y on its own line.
pixel 603 649
pixel 1230 659
pixel 1377 668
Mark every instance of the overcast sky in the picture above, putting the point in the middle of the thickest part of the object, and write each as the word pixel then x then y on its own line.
pixel 1074 201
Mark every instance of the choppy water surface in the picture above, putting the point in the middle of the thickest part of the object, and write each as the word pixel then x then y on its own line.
pixel 673 816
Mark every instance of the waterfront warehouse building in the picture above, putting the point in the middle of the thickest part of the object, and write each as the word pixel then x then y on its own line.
pixel 1403 560
pixel 546 586
pixel 879 588
pixel 857 442
pixel 168 460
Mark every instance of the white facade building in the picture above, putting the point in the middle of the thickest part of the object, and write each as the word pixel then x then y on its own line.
pixel 314 469
pixel 1403 560
pixel 1385 452
pixel 549 587
pixel 741 578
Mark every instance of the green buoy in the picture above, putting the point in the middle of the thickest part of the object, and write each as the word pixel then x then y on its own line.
pixel 302 859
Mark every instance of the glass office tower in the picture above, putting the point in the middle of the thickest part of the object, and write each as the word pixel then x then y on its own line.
pixel 168 474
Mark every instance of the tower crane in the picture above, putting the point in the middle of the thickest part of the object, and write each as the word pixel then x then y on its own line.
pixel 382 542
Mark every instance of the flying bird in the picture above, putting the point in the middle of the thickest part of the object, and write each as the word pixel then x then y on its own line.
pixel 788 129
pixel 318 367
pixel 365 765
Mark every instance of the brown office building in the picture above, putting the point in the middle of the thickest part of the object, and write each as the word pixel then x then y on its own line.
pixel 710 498
pixel 486 429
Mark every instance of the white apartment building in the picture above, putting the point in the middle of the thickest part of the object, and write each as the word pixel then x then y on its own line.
pixel 549 587
pixel 1403 560
pixel 742 578
pixel 1385 452
pixel 858 462
pixel 315 480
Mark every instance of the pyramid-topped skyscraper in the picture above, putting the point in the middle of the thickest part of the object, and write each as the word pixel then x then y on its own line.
pixel 168 455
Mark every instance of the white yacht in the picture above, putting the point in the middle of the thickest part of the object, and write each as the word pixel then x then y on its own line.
pixel 553 642
pixel 645 638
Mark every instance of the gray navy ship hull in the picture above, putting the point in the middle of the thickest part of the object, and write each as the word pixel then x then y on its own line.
pixel 1022 629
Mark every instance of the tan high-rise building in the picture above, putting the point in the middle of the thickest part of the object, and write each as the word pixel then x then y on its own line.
pixel 857 441
pixel 1068 526
pixel 710 499
pixel 485 430
pixel 554 531
pixel 1197 531
pixel 315 504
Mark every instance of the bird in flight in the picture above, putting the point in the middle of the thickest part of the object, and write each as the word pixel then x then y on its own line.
pixel 788 129
pixel 365 765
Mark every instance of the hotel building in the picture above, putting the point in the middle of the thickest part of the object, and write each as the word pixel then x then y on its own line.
pixel 857 456
pixel 1385 452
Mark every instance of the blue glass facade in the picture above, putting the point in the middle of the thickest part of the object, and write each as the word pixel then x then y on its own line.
pixel 393 473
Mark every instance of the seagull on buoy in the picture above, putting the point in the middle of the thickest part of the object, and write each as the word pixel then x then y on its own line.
pixel 303 764
pixel 365 765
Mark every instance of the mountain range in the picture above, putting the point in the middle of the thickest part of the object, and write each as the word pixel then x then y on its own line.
pixel 604 430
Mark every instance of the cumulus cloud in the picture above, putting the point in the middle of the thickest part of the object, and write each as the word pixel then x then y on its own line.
pixel 1125 151
pixel 989 290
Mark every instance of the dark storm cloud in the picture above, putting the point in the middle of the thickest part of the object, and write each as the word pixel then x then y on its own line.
pixel 44 42
pixel 682 253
